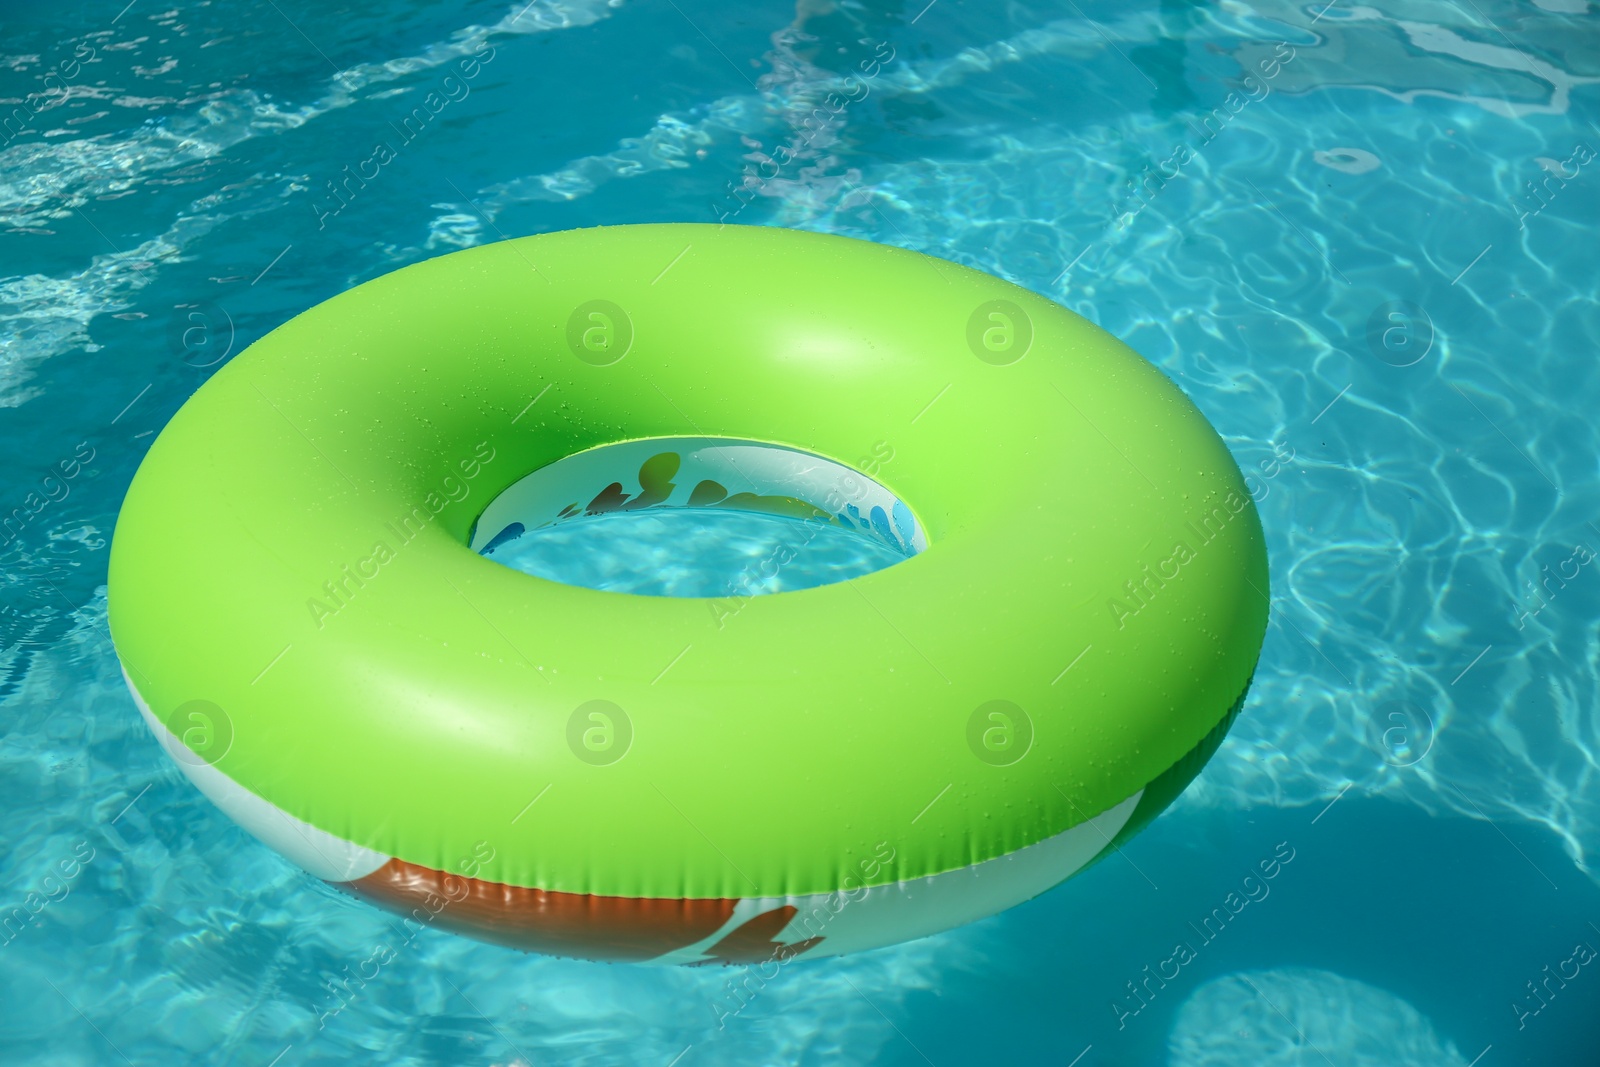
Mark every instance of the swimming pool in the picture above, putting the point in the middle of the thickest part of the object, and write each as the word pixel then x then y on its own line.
pixel 1359 236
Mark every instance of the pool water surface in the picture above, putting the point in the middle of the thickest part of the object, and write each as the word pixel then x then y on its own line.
pixel 1360 236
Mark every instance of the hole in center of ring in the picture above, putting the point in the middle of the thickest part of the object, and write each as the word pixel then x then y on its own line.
pixel 697 517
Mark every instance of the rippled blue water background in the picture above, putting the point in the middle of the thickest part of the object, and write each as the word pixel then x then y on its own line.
pixel 1343 263
pixel 700 553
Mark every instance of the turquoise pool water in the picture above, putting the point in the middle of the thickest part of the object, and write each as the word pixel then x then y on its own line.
pixel 717 553
pixel 1361 236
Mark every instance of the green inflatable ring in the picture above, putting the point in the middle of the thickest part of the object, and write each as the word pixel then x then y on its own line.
pixel 304 624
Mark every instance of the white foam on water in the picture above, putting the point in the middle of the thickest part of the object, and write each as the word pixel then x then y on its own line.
pixel 44 315
pixel 1410 49
pixel 1300 1017
pixel 43 182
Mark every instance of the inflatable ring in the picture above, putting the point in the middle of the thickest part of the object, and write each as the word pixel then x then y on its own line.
pixel 300 598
